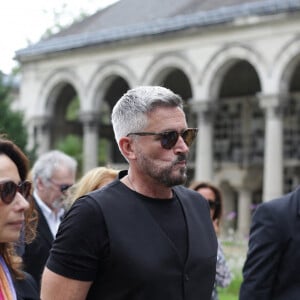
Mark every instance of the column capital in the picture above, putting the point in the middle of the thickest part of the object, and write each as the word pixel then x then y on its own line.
pixel 42 122
pixel 89 118
pixel 204 109
pixel 272 101
pixel 203 106
pixel 273 104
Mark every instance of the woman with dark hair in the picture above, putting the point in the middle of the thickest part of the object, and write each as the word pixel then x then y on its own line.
pixel 16 215
pixel 214 197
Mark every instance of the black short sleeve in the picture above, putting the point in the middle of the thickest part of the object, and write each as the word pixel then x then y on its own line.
pixel 81 243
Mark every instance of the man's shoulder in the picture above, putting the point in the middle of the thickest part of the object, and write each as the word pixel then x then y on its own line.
pixel 110 191
pixel 281 204
pixel 186 191
pixel 284 199
pixel 186 194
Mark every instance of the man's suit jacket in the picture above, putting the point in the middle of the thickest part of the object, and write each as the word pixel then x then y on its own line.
pixel 26 289
pixel 272 267
pixel 37 252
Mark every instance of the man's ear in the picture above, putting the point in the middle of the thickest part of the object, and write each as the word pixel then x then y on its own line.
pixel 127 148
pixel 40 184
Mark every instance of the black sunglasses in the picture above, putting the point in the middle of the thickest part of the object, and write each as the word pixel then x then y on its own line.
pixel 8 190
pixel 62 187
pixel 168 139
pixel 212 204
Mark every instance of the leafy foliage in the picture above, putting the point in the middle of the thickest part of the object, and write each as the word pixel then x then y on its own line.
pixel 72 145
pixel 73 109
pixel 11 122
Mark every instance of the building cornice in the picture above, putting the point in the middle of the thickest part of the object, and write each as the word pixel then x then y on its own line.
pixel 160 26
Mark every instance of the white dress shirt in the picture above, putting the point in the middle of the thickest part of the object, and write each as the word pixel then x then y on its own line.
pixel 53 219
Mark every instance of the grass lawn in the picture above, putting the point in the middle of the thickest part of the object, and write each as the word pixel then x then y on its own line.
pixel 235 253
pixel 232 291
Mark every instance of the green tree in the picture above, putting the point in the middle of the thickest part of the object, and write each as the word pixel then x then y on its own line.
pixel 72 145
pixel 11 122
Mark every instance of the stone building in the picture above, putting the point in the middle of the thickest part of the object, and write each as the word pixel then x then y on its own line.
pixel 236 63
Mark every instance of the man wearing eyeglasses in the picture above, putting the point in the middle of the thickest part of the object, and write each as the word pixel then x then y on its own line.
pixel 143 236
pixel 52 174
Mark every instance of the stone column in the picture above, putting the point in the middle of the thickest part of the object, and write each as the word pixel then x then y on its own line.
pixel 90 140
pixel 204 141
pixel 42 134
pixel 244 212
pixel 273 155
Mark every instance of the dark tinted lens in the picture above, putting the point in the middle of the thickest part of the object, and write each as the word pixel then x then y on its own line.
pixel 189 136
pixel 212 204
pixel 8 191
pixel 169 139
pixel 24 188
pixel 64 187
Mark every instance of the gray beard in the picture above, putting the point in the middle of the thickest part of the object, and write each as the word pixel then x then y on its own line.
pixel 164 175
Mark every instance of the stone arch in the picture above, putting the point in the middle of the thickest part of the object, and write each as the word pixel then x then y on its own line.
pixel 108 83
pixel 287 74
pixel 163 64
pixel 222 61
pixel 174 71
pixel 235 146
pixel 287 61
pixel 102 79
pixel 52 86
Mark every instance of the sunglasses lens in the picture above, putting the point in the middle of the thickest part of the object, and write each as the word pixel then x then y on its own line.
pixel 8 191
pixel 24 188
pixel 189 136
pixel 169 139
pixel 212 204
pixel 64 187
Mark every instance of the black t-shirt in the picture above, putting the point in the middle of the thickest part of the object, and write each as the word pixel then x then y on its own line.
pixel 169 215
pixel 126 243
pixel 82 241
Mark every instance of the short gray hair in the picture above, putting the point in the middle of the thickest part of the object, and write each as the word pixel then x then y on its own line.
pixel 130 112
pixel 49 162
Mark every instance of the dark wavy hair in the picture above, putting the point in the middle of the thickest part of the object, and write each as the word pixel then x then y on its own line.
pixel 218 196
pixel 8 250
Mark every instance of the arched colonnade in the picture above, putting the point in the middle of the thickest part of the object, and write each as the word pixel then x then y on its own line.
pixel 244 101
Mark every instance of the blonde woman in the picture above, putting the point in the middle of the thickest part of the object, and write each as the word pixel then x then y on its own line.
pixel 92 180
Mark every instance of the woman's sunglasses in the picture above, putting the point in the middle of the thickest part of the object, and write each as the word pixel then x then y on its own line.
pixel 8 190
pixel 168 139
pixel 213 204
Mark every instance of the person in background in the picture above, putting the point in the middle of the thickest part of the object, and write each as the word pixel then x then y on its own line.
pixel 53 174
pixel 143 236
pixel 214 197
pixel 90 181
pixel 271 270
pixel 16 213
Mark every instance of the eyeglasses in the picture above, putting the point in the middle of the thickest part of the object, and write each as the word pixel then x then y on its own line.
pixel 212 204
pixel 62 187
pixel 8 190
pixel 168 139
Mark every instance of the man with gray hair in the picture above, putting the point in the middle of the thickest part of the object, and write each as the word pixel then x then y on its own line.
pixel 52 174
pixel 143 236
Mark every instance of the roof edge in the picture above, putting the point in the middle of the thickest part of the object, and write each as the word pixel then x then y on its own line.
pixel 160 26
